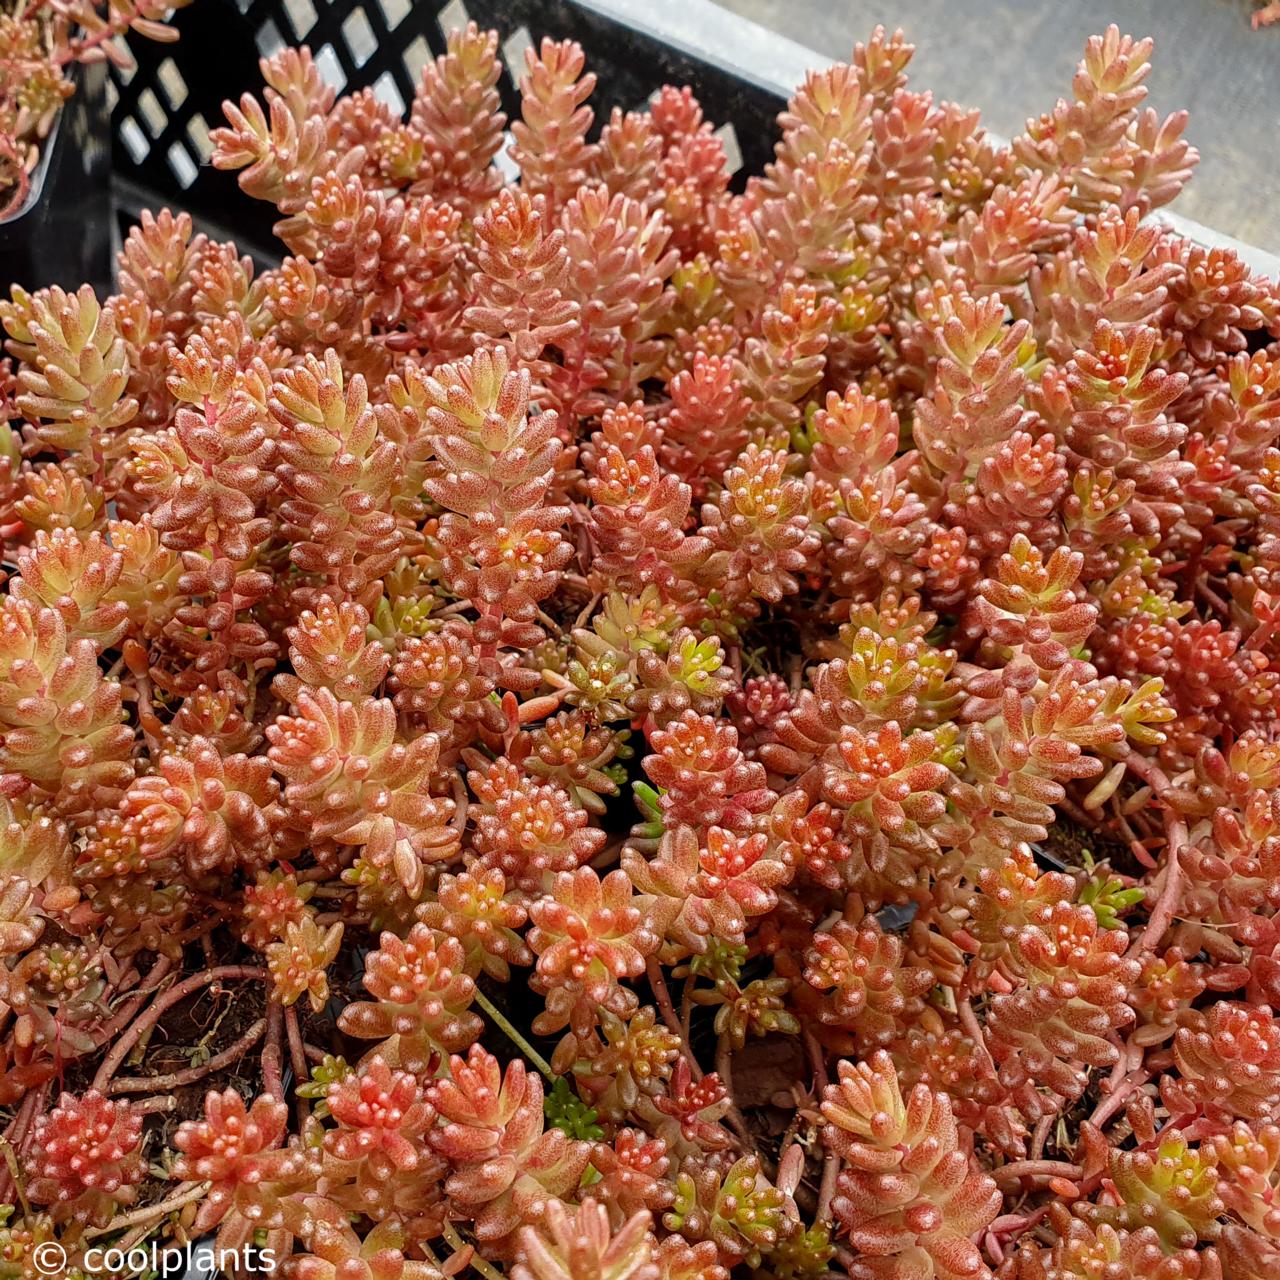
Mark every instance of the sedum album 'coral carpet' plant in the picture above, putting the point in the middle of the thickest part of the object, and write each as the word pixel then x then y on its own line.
pixel 605 727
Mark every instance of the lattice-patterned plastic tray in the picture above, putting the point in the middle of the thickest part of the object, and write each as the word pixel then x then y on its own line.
pixel 164 108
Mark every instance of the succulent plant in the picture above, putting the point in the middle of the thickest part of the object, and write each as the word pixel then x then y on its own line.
pixel 756 705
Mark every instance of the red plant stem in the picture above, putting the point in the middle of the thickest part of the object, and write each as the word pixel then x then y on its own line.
pixel 969 1021
pixel 1075 812
pixel 1150 773
pixel 1119 1071
pixel 21 189
pixel 158 1007
pixel 468 1255
pixel 189 1075
pixel 1162 913
pixel 1008 1227
pixel 272 1079
pixel 789 1134
pixel 23 1139
pixel 1020 1169
pixel 827 1187
pixel 1123 1091
pixel 724 1069
pixel 152 1106
pixel 461 804
pixel 1218 603
pixel 297 1059
pixel 1041 1135
pixel 197 930
pixel 668 1010
pixel 19 1127
pixel 686 1007
pixel 831 1164
pixel 1176 840
pixel 135 1000
pixel 149 1211
pixel 818 1061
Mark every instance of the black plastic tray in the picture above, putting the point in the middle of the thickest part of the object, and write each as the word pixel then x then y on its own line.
pixel 62 233
pixel 165 107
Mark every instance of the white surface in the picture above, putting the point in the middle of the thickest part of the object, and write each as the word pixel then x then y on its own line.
pixel 763 56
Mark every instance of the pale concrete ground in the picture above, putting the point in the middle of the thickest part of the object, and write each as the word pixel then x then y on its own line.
pixel 1014 58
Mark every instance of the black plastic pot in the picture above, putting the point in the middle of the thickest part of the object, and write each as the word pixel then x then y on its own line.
pixel 62 233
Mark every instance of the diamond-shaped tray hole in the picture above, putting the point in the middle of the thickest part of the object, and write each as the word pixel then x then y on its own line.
pixel 503 161
pixel 394 11
pixel 269 40
pixel 172 85
pixel 453 17
pixel 126 72
pixel 302 16
pixel 153 114
pixel 359 36
pixel 513 50
pixel 416 56
pixel 182 165
pixel 386 90
pixel 198 135
pixel 728 135
pixel 331 68
pixel 135 141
